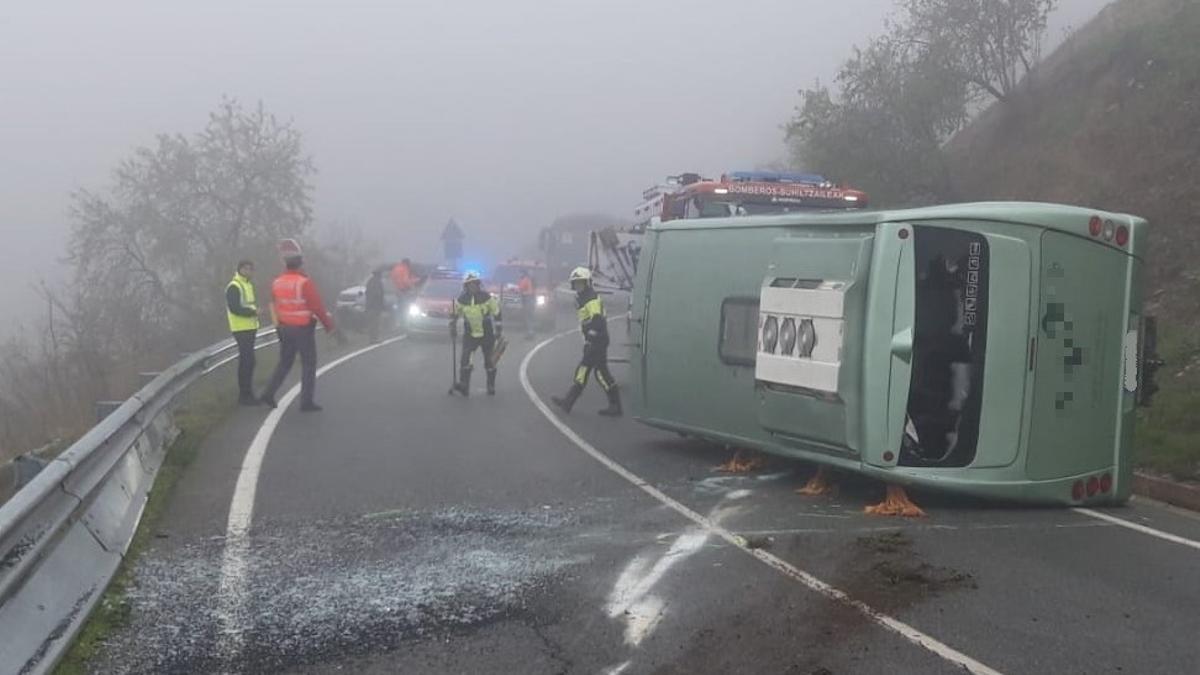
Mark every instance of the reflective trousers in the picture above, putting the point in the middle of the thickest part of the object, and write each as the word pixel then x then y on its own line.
pixel 594 362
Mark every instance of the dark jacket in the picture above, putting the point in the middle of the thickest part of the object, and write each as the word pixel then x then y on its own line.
pixel 374 294
pixel 233 300
pixel 592 321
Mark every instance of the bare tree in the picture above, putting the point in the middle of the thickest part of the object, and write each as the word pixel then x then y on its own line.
pixel 990 44
pixel 151 256
pixel 157 249
pixel 343 256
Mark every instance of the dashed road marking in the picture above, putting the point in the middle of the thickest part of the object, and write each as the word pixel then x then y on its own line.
pixel 894 625
pixel 231 595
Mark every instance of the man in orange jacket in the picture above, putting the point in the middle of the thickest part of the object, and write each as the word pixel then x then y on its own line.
pixel 404 281
pixel 528 301
pixel 296 305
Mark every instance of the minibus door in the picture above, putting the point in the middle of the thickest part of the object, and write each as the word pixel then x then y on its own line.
pixel 887 357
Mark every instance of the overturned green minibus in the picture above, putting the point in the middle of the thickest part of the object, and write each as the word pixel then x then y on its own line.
pixel 991 349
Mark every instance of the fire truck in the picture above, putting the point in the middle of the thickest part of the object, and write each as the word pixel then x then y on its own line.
pixel 754 193
pixel 613 252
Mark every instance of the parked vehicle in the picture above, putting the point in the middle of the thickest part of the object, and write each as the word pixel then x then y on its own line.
pixel 503 284
pixel 350 308
pixel 429 313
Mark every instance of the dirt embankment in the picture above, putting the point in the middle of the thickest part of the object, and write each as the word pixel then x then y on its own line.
pixel 1111 120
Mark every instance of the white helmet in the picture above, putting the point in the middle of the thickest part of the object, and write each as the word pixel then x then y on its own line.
pixel 580 274
pixel 469 277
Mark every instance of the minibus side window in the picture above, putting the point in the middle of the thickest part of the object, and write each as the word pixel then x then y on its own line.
pixel 949 344
pixel 739 331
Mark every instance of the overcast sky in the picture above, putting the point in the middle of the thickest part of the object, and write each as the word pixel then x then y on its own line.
pixel 500 113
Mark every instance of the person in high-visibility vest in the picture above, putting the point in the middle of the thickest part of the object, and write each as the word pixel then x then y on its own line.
pixel 480 314
pixel 297 307
pixel 594 326
pixel 242 310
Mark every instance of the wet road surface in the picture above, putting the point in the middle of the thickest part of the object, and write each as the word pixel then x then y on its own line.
pixel 401 530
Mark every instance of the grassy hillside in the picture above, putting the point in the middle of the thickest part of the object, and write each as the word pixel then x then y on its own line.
pixel 1112 120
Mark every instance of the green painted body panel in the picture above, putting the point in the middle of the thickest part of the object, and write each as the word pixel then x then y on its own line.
pixel 713 394
pixel 1077 399
pixel 1027 449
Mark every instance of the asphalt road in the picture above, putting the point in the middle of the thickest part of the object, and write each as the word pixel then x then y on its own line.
pixel 402 530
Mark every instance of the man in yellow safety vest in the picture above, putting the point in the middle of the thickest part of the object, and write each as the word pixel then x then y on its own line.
pixel 241 307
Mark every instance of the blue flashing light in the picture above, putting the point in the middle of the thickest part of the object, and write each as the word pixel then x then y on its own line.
pixel 471 266
pixel 777 177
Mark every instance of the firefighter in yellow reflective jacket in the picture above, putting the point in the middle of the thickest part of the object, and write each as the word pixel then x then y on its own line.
pixel 480 313
pixel 594 326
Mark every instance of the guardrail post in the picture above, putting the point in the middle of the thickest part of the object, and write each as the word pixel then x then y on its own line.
pixel 25 467
pixel 105 408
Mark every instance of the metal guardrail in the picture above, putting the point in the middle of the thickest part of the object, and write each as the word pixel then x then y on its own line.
pixel 15 473
pixel 63 535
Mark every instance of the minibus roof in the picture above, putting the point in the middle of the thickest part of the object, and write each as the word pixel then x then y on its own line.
pixel 1060 217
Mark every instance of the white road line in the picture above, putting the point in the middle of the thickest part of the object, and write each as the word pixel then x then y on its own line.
pixel 906 631
pixel 926 528
pixel 231 595
pixel 1167 536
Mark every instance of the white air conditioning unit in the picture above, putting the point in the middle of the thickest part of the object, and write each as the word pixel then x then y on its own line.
pixel 800 331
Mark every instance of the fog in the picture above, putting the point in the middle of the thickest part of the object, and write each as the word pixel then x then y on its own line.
pixel 502 115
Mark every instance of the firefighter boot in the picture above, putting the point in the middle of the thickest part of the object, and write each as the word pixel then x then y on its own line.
pixel 567 402
pixel 463 386
pixel 614 403
pixel 491 381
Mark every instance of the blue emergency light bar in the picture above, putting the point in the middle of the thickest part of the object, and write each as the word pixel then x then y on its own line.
pixel 776 177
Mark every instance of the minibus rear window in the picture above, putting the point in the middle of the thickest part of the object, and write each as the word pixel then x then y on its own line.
pixel 949 344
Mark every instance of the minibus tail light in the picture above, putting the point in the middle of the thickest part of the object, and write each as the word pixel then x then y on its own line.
pixel 1122 236
pixel 1095 226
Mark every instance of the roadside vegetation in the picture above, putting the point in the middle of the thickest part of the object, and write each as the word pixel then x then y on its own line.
pixel 1107 120
pixel 151 254
pixel 1168 432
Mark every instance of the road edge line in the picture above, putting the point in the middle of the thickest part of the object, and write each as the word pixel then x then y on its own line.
pixel 910 633
pixel 231 591
pixel 1137 527
pixel 892 624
